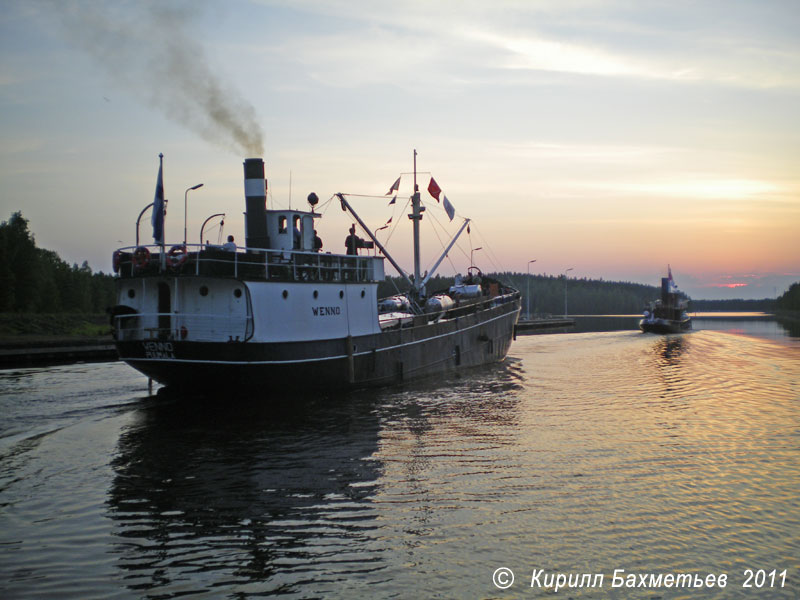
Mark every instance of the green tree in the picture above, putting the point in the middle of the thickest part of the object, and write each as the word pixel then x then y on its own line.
pixel 37 280
pixel 19 253
pixel 790 300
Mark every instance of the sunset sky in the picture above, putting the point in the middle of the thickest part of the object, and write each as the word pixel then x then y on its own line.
pixel 610 137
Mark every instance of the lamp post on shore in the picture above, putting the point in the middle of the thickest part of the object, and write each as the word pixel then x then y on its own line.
pixel 565 291
pixel 185 204
pixel 528 292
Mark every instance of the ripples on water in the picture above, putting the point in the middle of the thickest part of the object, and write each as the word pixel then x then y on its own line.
pixel 584 453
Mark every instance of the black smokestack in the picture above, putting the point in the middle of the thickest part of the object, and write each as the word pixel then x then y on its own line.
pixel 147 47
pixel 255 192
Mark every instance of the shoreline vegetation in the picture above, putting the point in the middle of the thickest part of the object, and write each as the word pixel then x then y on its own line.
pixel 46 302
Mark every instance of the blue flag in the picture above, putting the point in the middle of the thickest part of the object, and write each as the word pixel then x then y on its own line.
pixel 158 205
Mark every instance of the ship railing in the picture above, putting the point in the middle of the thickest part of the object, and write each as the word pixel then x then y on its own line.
pixel 182 327
pixel 266 264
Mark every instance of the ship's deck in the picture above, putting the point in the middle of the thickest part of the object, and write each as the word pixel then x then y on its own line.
pixel 263 265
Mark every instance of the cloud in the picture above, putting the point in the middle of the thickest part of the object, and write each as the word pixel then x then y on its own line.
pixel 721 62
pixel 729 189
pixel 744 46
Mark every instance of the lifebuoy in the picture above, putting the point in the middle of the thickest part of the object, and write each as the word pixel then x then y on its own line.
pixel 115 260
pixel 176 256
pixel 141 258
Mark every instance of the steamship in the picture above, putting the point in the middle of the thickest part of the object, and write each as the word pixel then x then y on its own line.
pixel 667 314
pixel 280 314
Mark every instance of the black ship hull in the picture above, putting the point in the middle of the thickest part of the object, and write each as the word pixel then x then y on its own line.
pixel 384 358
pixel 665 325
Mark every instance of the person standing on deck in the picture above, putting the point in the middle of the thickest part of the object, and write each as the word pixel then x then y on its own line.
pixel 352 242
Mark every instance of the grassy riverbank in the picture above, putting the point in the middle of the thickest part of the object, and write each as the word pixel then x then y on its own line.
pixel 22 329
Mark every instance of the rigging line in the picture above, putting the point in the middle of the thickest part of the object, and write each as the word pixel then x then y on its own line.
pixel 469 237
pixel 394 283
pixel 499 268
pixel 396 224
pixel 374 196
pixel 489 252
pixel 447 256
pixel 457 244
pixel 325 205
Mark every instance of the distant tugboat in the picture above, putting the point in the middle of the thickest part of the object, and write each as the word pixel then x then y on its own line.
pixel 667 315
pixel 278 313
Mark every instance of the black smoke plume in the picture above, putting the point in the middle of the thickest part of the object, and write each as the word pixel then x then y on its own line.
pixel 146 46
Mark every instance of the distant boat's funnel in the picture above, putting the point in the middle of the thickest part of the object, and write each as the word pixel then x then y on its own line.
pixel 255 192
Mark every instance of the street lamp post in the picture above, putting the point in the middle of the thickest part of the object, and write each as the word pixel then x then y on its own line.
pixel 528 292
pixel 185 204
pixel 471 253
pixel 565 291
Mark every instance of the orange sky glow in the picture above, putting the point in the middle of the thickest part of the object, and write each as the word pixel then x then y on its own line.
pixel 607 139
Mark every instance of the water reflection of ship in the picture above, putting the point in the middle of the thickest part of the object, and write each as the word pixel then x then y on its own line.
pixel 227 493
pixel 668 357
pixel 670 349
pixel 250 498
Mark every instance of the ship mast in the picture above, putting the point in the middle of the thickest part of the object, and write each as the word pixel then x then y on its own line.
pixel 416 217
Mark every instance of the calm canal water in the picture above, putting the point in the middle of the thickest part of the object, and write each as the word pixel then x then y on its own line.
pixel 583 453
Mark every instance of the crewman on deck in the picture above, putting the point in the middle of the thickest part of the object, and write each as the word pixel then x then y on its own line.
pixel 352 242
pixel 230 245
pixel 317 242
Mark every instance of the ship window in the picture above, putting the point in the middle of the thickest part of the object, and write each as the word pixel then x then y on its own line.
pixel 316 293
pixel 131 293
pixel 341 294
pixel 362 293
pixel 297 236
pixel 285 294
pixel 237 292
pixel 282 224
pixel 204 290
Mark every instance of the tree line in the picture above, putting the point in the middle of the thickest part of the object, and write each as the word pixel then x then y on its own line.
pixel 584 296
pixel 790 300
pixel 34 280
pixel 596 296
pixel 735 305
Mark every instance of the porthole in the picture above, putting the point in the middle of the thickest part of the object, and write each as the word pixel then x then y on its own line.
pixel 316 294
pixel 204 290
pixel 237 293
pixel 131 293
pixel 341 294
pixel 285 294
pixel 363 293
